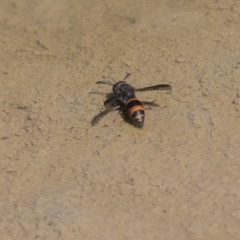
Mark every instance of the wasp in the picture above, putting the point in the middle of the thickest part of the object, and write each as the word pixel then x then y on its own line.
pixel 124 99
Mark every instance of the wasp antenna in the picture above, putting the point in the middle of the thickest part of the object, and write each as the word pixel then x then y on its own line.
pixel 128 74
pixel 102 82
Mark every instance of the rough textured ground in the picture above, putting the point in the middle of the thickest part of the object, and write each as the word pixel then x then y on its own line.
pixel 177 178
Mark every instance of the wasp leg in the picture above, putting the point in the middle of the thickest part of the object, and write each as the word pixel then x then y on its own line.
pixel 151 105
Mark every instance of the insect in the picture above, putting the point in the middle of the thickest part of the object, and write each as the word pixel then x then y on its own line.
pixel 124 99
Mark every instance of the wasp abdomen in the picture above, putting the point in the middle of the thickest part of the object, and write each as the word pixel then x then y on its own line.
pixel 135 110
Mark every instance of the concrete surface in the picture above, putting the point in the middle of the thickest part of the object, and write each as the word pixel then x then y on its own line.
pixel 177 178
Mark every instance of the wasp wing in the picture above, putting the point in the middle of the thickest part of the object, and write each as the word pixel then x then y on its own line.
pixel 110 104
pixel 156 87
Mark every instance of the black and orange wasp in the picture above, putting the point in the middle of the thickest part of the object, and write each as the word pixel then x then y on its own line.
pixel 124 99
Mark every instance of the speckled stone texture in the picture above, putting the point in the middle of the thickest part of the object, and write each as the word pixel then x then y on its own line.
pixel 177 178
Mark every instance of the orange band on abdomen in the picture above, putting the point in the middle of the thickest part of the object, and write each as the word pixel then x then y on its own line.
pixel 134 105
